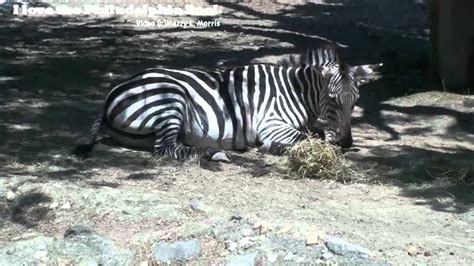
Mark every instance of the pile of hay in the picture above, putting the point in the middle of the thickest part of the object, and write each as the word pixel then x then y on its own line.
pixel 315 158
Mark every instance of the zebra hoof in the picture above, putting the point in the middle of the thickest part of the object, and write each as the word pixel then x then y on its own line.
pixel 220 157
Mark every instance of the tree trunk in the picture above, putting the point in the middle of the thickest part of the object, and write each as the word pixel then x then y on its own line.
pixel 452 38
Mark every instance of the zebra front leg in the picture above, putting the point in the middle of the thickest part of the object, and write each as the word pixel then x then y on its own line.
pixel 171 147
pixel 274 148
pixel 278 138
pixel 330 136
pixel 180 151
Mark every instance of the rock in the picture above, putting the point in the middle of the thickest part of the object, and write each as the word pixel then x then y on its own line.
pixel 231 245
pixel 197 205
pixel 286 243
pixel 66 205
pixel 243 260
pixel 341 247
pixel 319 262
pixel 326 255
pixel 313 237
pixel 92 249
pixel 414 250
pixel 247 232
pixel 262 227
pixel 246 242
pixel 77 250
pixel 236 217
pixel 76 230
pixel 2 189
pixel 289 256
pixel 53 205
pixel 26 252
pixel 10 196
pixel 177 251
pixel 272 257
pixel 285 229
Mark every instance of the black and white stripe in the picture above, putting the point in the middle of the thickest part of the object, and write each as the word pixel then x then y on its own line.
pixel 182 113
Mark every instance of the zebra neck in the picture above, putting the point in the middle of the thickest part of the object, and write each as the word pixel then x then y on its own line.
pixel 308 85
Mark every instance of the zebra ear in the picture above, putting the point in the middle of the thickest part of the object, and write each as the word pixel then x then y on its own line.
pixel 364 74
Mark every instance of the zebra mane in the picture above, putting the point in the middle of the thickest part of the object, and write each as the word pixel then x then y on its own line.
pixel 324 55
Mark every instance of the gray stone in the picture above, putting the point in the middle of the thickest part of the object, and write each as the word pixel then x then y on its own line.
pixel 341 247
pixel 76 230
pixel 199 206
pixel 468 216
pixel 231 245
pixel 23 252
pixel 247 232
pixel 326 255
pixel 243 260
pixel 177 251
pixel 287 243
pixel 289 256
pixel 272 257
pixel 246 242
pixel 196 205
pixel 3 190
pixel 78 250
pixel 90 247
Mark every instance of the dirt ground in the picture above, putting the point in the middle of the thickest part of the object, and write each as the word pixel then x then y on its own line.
pixel 55 71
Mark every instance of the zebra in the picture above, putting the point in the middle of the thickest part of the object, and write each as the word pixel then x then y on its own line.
pixel 185 113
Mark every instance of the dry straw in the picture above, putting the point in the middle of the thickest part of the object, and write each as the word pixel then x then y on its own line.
pixel 315 158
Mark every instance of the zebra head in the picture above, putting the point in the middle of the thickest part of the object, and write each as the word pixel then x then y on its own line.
pixel 339 88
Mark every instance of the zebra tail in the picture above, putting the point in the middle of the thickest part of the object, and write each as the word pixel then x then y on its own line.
pixel 86 145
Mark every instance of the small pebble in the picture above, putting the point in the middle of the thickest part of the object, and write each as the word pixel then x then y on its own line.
pixel 10 195
pixel 413 250
pixel 246 242
pixel 66 205
pixel 300 260
pixel 289 256
pixel 327 256
pixel 313 237
pixel 247 232
pixel 272 257
pixel 237 217
pixel 262 227
pixel 285 229
pixel 53 205
pixel 231 245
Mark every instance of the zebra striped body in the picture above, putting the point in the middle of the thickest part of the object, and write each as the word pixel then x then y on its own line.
pixel 233 110
pixel 255 105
